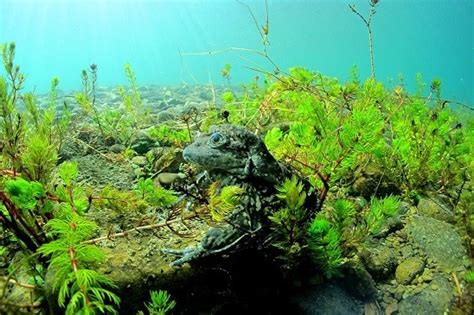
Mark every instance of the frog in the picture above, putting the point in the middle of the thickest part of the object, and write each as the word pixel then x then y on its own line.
pixel 232 155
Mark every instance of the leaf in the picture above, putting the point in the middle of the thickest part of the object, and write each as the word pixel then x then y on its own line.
pixel 272 138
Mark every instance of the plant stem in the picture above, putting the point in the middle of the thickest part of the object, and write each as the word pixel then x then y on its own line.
pixel 367 23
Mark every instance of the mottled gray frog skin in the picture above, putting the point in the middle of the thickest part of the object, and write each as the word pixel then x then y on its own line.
pixel 234 156
pixel 236 151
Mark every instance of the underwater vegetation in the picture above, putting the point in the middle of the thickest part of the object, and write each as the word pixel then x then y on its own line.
pixel 308 178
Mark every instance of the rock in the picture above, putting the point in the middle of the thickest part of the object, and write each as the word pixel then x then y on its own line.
pixel 166 179
pixel 173 102
pixel 409 269
pixel 168 93
pixel 329 298
pixel 117 148
pixel 392 309
pixel 435 208
pixel 379 261
pixel 142 143
pixel 165 115
pixel 372 181
pixel 139 160
pixel 439 240
pixel 430 301
pixel 166 159
pixel 361 283
pixel 205 95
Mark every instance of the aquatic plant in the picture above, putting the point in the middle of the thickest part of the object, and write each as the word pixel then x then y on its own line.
pixel 160 303
pixel 135 114
pixel 80 289
pixel 154 195
pixel 324 243
pixel 167 135
pixel 225 72
pixel 87 98
pixel 222 201
pixel 12 123
pixel 380 209
pixel 368 23
pixel 289 223
pixel 20 200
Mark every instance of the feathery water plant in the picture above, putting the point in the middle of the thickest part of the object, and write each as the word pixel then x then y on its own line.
pixel 87 98
pixel 324 242
pixel 20 211
pixel 153 195
pixel 81 290
pixel 343 213
pixel 11 121
pixel 160 303
pixel 289 223
pixel 72 197
pixel 380 209
pixel 223 201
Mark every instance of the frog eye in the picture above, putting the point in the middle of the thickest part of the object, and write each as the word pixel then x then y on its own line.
pixel 216 139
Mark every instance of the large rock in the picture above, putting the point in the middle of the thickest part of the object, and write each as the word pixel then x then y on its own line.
pixel 380 261
pixel 435 208
pixel 439 240
pixel 436 298
pixel 142 143
pixel 409 269
pixel 325 299
pixel 373 181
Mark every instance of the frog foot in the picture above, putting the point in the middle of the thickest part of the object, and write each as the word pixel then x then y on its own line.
pixel 186 255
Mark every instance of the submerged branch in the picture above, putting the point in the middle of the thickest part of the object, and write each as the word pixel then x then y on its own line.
pixel 141 228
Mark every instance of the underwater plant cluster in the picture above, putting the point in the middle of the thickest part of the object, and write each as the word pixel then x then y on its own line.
pixel 293 193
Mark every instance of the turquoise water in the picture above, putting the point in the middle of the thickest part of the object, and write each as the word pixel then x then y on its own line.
pixel 59 38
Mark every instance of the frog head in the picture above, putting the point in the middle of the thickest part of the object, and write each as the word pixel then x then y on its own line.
pixel 236 151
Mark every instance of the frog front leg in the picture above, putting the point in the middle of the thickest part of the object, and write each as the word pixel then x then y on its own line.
pixel 216 241
pixel 187 254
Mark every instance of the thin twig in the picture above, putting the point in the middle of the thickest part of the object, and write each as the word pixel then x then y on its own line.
pixel 140 228
pixel 20 284
pixel 367 23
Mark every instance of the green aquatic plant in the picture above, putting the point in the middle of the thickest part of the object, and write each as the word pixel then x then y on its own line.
pixel 121 202
pixel 343 214
pixel 44 137
pixel 289 223
pixel 21 203
pixel 71 196
pixel 12 127
pixel 154 195
pixel 379 211
pixel 87 98
pixel 167 135
pixel 228 97
pixel 428 146
pixel 368 23
pixel 221 202
pixel 135 112
pixel 225 72
pixel 324 242
pixel 39 158
pixel 81 290
pixel 160 303
pixel 327 138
